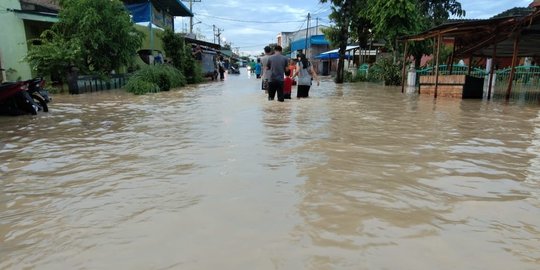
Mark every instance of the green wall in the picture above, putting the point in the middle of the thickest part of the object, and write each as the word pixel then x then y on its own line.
pixel 158 44
pixel 13 47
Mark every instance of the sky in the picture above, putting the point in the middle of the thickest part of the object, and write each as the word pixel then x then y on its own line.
pixel 249 25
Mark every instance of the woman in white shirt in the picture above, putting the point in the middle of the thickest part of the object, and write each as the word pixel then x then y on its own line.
pixel 305 74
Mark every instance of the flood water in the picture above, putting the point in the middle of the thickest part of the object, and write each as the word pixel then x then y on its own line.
pixel 215 176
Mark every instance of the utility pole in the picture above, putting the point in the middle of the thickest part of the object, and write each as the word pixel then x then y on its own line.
pixel 214 32
pixel 307 30
pixel 317 26
pixel 218 35
pixel 191 18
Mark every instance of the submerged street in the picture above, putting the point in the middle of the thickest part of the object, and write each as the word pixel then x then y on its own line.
pixel 215 176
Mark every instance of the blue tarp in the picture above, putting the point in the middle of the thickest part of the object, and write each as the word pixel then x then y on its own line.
pixel 313 40
pixel 331 56
pixel 334 54
pixel 319 40
pixel 140 12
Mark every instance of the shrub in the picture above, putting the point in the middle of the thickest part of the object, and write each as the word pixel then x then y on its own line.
pixel 140 87
pixel 384 70
pixel 176 48
pixel 157 78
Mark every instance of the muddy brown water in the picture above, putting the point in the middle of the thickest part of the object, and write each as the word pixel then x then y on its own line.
pixel 214 176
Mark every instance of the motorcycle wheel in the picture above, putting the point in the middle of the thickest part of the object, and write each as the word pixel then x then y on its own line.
pixel 41 101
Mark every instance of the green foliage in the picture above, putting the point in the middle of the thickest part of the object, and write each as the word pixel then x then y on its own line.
pixel 140 87
pixel 438 11
pixel 385 70
pixel 96 36
pixel 180 53
pixel 395 18
pixel 444 56
pixel 342 14
pixel 54 53
pixel 332 35
pixel 156 78
pixel 352 77
pixel 388 20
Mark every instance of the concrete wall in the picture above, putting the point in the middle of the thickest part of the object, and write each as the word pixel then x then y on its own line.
pixel 13 47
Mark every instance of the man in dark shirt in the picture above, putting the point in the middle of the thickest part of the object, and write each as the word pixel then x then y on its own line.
pixel 277 64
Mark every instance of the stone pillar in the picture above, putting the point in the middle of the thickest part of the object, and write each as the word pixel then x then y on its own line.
pixel 411 76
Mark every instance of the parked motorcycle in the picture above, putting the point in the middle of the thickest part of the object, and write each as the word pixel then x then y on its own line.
pixel 38 93
pixel 24 97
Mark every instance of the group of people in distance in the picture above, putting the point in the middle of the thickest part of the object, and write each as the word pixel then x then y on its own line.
pixel 278 74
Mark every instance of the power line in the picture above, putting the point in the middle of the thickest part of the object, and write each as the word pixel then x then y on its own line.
pixel 244 21
pixel 252 46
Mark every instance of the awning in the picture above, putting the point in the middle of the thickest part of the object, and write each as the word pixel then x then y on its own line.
pixel 36 16
pixel 300 44
pixel 334 54
pixel 318 40
pixel 202 43
pixel 171 7
pixel 482 37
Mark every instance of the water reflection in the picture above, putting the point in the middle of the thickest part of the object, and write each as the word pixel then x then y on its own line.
pixel 217 177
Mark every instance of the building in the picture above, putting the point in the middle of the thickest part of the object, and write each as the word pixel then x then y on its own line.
pixel 27 19
pixel 311 41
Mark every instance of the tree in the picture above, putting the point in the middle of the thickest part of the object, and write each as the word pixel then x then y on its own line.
pixel 342 11
pixel 388 20
pixel 96 36
pixel 397 18
pixel 176 48
pixel 439 11
pixel 393 19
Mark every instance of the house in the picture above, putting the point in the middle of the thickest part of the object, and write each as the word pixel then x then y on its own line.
pixel 27 19
pixel 311 41
pixel 504 40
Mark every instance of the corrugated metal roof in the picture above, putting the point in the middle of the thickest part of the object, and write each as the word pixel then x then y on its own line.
pixel 479 38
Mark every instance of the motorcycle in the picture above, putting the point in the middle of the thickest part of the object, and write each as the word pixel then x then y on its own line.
pixel 38 93
pixel 23 97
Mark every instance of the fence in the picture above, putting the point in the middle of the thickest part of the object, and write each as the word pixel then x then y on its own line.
pixel 525 85
pixel 88 83
pixel 456 70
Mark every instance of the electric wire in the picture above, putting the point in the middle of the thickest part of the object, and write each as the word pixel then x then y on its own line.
pixel 244 21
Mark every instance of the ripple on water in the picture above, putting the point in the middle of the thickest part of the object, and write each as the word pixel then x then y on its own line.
pixel 215 176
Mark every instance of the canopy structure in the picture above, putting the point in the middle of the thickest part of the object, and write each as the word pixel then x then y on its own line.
pixel 479 37
pixel 510 36
pixel 171 7
pixel 334 54
pixel 302 44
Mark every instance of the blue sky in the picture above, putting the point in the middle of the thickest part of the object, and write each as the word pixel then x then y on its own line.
pixel 250 25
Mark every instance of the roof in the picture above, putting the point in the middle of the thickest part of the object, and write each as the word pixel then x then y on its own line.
pixel 49 4
pixel 300 44
pixel 202 43
pixel 350 47
pixel 173 7
pixel 517 11
pixel 334 54
pixel 478 38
